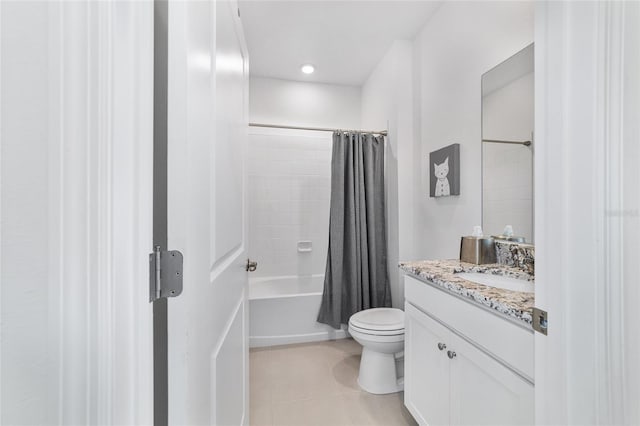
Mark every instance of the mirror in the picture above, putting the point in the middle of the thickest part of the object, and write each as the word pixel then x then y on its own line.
pixel 507 146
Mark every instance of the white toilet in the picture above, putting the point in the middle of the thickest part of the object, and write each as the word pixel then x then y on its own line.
pixel 380 331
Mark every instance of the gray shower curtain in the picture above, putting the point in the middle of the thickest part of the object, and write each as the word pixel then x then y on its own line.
pixel 356 276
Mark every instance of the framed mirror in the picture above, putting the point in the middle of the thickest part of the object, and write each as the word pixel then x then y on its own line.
pixel 507 146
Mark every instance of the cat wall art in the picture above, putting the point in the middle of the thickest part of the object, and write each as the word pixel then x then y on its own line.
pixel 442 184
pixel 445 171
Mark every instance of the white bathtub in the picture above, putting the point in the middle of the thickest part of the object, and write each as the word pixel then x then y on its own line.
pixel 283 310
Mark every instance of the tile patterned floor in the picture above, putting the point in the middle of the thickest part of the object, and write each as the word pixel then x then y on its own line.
pixel 316 384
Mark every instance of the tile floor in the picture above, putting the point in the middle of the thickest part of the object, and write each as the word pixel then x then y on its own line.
pixel 316 384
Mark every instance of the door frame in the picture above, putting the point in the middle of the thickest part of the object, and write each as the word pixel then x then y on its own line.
pixel 586 54
pixel 100 221
pixel 92 112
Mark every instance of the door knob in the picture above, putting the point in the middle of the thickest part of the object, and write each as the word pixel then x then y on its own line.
pixel 251 265
pixel 451 354
pixel 442 346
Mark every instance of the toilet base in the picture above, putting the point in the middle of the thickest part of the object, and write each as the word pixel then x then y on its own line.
pixel 378 372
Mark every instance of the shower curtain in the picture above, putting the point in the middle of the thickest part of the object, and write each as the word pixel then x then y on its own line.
pixel 356 276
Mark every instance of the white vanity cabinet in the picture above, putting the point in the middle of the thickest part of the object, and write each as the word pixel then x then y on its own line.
pixel 426 374
pixel 456 370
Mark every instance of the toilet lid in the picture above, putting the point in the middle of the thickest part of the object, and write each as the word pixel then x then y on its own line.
pixel 378 319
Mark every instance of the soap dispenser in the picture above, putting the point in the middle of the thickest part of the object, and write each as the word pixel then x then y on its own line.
pixel 507 235
pixel 477 249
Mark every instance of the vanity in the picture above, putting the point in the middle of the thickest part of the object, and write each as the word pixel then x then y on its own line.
pixel 469 354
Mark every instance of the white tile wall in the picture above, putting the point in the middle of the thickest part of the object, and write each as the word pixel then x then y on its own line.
pixel 289 193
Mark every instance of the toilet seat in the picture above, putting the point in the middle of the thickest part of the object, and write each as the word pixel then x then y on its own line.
pixel 377 338
pixel 397 332
pixel 378 321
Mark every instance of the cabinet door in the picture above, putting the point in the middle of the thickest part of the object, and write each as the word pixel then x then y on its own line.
pixel 485 392
pixel 426 383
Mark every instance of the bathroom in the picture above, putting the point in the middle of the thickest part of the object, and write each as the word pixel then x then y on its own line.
pixel 175 175
pixel 290 174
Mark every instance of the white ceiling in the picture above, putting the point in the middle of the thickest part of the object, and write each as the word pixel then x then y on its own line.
pixel 344 40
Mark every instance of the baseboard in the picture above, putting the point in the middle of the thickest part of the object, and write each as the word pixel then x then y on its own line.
pixel 264 341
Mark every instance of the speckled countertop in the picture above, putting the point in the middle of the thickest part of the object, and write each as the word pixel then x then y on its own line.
pixel 515 304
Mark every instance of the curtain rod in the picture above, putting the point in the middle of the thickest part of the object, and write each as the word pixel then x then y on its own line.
pixel 318 129
pixel 525 143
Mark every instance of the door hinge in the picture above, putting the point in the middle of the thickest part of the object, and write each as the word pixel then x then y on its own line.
pixel 540 321
pixel 165 274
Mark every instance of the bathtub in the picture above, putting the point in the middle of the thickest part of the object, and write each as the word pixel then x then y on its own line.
pixel 283 310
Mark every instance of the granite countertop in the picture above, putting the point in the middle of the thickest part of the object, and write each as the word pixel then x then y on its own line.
pixel 515 304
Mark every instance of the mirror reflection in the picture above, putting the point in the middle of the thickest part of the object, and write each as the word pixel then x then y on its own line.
pixel 507 146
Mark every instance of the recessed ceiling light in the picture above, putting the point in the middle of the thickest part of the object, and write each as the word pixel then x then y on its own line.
pixel 307 68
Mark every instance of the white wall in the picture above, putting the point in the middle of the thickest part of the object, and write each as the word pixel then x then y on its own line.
pixel 387 102
pixel 458 44
pixel 274 101
pixel 507 174
pixel 25 215
pixel 289 171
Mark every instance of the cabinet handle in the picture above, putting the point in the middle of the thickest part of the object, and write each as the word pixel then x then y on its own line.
pixel 442 346
pixel 451 354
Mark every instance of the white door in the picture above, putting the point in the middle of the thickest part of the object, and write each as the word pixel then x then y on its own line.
pixel 426 367
pixel 207 124
pixel 485 392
